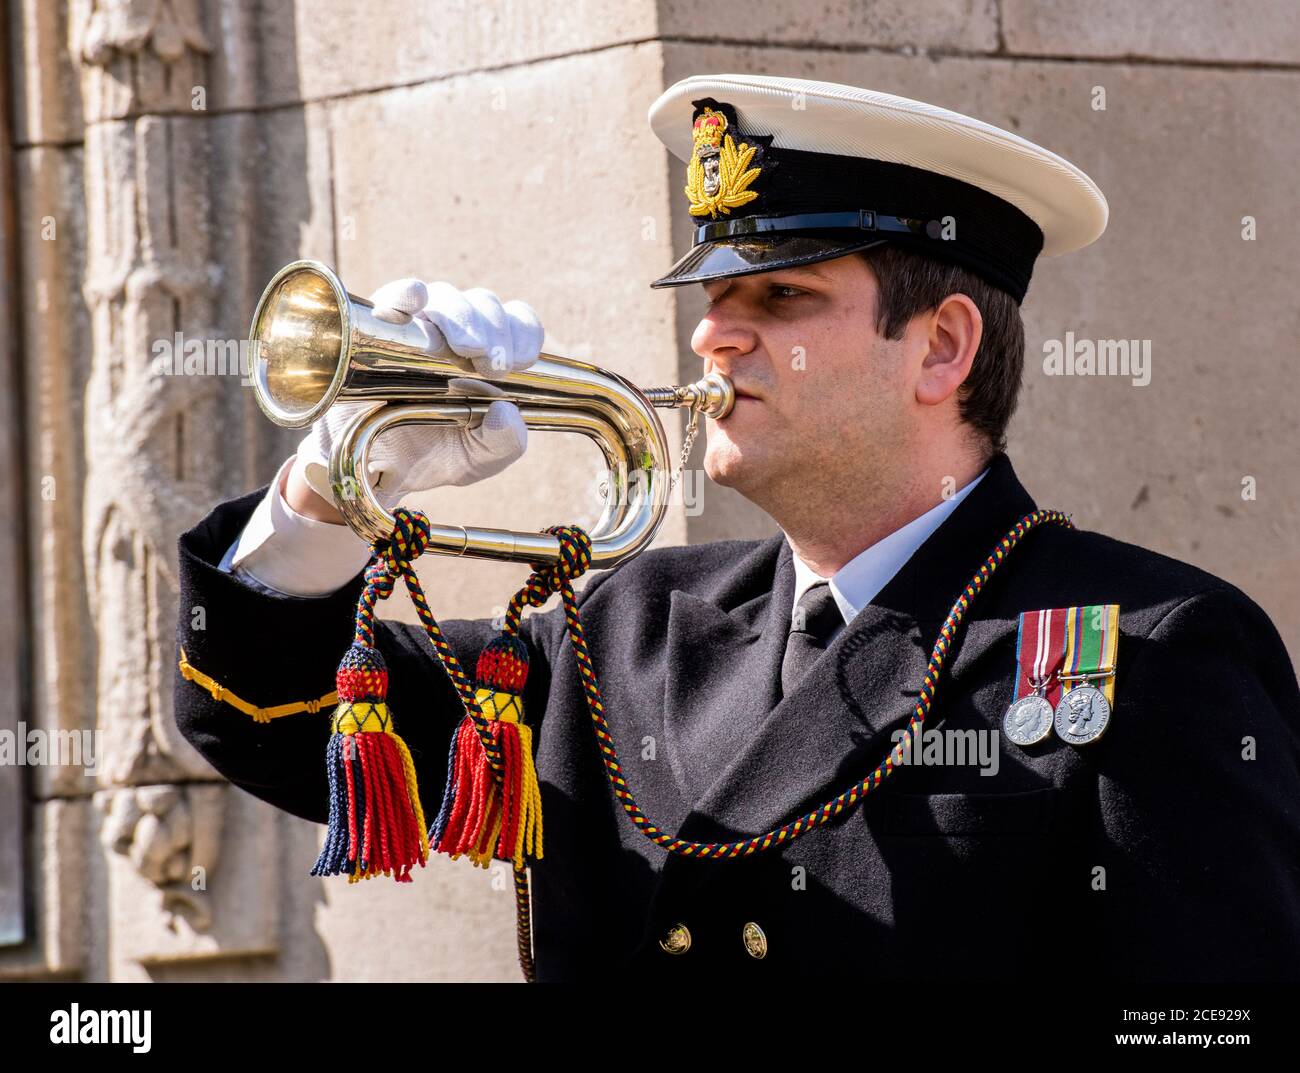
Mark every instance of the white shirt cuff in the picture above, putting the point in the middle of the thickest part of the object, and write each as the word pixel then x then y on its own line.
pixel 293 554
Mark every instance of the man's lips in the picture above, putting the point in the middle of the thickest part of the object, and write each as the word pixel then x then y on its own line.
pixel 743 391
pixel 741 396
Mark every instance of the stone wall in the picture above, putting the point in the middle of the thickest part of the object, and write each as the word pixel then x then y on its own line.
pixel 165 158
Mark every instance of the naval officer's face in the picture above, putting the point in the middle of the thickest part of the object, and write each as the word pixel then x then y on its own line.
pixel 820 393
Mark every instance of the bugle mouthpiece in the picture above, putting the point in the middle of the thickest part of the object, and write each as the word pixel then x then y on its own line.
pixel 712 395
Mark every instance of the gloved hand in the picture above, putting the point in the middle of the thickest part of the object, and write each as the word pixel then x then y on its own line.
pixel 497 338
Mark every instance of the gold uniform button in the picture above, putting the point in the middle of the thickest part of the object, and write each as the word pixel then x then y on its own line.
pixel 754 939
pixel 677 940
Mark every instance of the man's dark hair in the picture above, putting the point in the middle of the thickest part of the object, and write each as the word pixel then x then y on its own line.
pixel 910 283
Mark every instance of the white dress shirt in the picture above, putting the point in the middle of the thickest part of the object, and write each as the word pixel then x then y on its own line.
pixel 856 583
pixel 287 552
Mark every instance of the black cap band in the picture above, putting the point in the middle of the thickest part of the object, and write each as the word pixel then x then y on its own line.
pixel 862 220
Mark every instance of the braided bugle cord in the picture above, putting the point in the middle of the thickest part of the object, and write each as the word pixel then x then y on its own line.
pixel 524 925
pixel 410 537
pixel 392 559
pixel 836 805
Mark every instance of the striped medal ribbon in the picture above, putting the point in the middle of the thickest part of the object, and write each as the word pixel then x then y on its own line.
pixel 1065 674
pixel 1087 673
pixel 1040 649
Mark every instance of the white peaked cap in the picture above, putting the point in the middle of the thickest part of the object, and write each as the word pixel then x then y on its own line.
pixel 860 126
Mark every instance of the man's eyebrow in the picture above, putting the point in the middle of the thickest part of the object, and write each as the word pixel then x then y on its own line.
pixel 811 270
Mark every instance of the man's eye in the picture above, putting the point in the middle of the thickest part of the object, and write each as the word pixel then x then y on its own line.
pixel 782 291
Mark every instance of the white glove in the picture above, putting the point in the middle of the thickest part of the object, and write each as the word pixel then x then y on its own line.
pixel 497 338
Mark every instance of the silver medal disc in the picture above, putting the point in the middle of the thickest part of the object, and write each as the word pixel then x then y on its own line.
pixel 1082 715
pixel 1029 720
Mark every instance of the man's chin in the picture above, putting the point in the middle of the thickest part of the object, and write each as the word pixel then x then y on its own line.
pixel 729 466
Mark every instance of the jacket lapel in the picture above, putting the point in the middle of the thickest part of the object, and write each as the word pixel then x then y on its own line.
pixel 750 763
pixel 724 657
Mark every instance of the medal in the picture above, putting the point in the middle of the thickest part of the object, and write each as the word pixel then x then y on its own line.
pixel 1082 715
pixel 1088 673
pixel 1029 719
pixel 1040 648
pixel 1065 674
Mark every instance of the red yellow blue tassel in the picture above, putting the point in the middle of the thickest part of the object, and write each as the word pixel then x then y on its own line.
pixel 376 824
pixel 482 816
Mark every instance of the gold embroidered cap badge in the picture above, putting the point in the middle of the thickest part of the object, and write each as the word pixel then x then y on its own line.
pixel 719 175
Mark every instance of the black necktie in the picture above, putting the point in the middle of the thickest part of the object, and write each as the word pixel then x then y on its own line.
pixel 820 617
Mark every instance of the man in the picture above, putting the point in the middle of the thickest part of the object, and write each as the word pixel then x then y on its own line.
pixel 864 257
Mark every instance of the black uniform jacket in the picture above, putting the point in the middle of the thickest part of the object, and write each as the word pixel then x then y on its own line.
pixel 1169 849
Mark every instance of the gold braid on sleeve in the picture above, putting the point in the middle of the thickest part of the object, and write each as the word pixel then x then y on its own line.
pixel 260 715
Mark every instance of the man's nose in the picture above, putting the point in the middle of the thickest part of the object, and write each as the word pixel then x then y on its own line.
pixel 722 332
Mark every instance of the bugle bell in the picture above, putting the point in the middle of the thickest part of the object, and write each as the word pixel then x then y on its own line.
pixel 312 343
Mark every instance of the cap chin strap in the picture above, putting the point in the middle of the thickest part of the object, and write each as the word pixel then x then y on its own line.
pixel 856 220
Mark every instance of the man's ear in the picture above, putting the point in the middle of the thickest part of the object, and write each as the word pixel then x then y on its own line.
pixel 953 333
